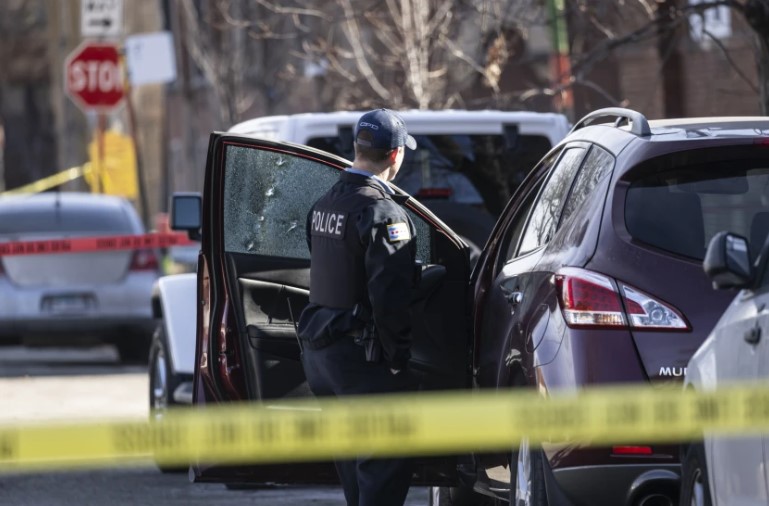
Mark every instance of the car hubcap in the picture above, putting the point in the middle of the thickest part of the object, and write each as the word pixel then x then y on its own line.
pixel 523 475
pixel 435 496
pixel 159 385
pixel 698 489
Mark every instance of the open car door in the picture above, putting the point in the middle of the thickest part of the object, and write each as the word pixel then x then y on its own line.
pixel 253 282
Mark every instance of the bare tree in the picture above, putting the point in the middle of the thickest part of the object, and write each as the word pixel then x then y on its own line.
pixel 29 145
pixel 403 53
pixel 600 29
pixel 420 53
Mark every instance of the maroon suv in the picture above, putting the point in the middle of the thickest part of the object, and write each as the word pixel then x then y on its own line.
pixel 592 275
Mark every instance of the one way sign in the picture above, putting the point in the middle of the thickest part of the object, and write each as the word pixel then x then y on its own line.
pixel 101 18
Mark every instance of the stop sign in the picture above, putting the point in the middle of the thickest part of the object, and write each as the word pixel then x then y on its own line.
pixel 93 76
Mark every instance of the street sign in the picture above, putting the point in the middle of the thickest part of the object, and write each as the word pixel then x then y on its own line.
pixel 93 77
pixel 101 18
pixel 150 58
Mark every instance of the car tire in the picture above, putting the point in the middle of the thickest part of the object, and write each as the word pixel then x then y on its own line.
pixel 462 495
pixel 527 476
pixel 163 382
pixel 695 486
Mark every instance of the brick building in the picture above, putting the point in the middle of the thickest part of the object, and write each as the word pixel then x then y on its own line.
pixel 684 73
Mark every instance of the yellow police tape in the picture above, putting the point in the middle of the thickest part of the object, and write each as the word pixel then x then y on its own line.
pixel 49 182
pixel 416 424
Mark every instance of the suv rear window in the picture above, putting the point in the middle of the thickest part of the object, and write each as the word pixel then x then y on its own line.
pixel 680 210
pixel 478 170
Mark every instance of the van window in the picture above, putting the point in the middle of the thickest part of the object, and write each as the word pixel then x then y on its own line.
pixel 680 210
pixel 478 170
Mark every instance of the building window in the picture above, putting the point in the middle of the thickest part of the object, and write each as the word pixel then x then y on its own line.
pixel 713 22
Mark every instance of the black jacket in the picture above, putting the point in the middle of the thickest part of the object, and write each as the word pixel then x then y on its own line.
pixel 363 251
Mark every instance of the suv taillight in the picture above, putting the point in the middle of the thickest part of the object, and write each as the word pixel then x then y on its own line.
pixel 144 260
pixel 589 299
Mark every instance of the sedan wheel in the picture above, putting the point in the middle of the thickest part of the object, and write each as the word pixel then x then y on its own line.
pixel 695 489
pixel 163 382
pixel 529 484
pixel 462 495
pixel 159 394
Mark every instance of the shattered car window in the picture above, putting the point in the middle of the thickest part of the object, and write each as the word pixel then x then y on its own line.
pixel 267 197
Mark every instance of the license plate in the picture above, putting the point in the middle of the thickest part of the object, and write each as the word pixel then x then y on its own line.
pixel 69 303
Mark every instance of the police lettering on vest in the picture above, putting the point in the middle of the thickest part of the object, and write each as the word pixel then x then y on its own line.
pixel 330 224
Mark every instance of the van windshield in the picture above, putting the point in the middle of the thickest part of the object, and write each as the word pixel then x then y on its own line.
pixel 466 180
pixel 478 170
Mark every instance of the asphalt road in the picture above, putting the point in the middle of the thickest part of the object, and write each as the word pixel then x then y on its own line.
pixel 38 384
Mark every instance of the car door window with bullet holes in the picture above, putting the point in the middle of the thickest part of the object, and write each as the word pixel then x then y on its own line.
pixel 267 196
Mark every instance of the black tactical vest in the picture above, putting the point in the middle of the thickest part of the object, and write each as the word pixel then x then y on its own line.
pixel 334 228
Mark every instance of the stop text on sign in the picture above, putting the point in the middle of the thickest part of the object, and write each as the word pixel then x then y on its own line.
pixel 93 76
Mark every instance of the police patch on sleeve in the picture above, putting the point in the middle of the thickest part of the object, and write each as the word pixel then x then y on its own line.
pixel 398 232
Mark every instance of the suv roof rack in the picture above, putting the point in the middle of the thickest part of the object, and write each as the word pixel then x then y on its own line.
pixel 638 123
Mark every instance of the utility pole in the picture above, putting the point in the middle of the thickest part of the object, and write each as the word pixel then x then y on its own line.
pixel 560 60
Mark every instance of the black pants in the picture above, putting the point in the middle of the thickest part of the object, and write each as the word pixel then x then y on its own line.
pixel 341 369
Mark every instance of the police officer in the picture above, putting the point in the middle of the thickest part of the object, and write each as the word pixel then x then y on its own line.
pixel 356 331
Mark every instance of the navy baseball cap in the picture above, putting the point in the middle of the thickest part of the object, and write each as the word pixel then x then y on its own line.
pixel 383 129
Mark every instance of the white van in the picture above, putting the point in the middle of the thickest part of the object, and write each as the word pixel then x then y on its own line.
pixel 465 168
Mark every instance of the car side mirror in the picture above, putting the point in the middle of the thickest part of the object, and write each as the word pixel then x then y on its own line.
pixel 186 213
pixel 727 261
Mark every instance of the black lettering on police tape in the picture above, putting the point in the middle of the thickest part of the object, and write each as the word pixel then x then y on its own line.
pixel 372 425
pixel 666 411
pixel 707 409
pixel 224 433
pixel 308 428
pixel 623 413
pixel 546 415
pixel 156 437
pixel 757 406
pixel 42 247
pixel 106 243
pixel 125 242
pixel 9 446
pixel 57 246
pixel 265 431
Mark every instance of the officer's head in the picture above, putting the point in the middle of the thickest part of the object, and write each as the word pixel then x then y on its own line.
pixel 380 141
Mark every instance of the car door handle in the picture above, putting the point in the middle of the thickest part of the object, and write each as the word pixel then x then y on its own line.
pixel 511 292
pixel 753 335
